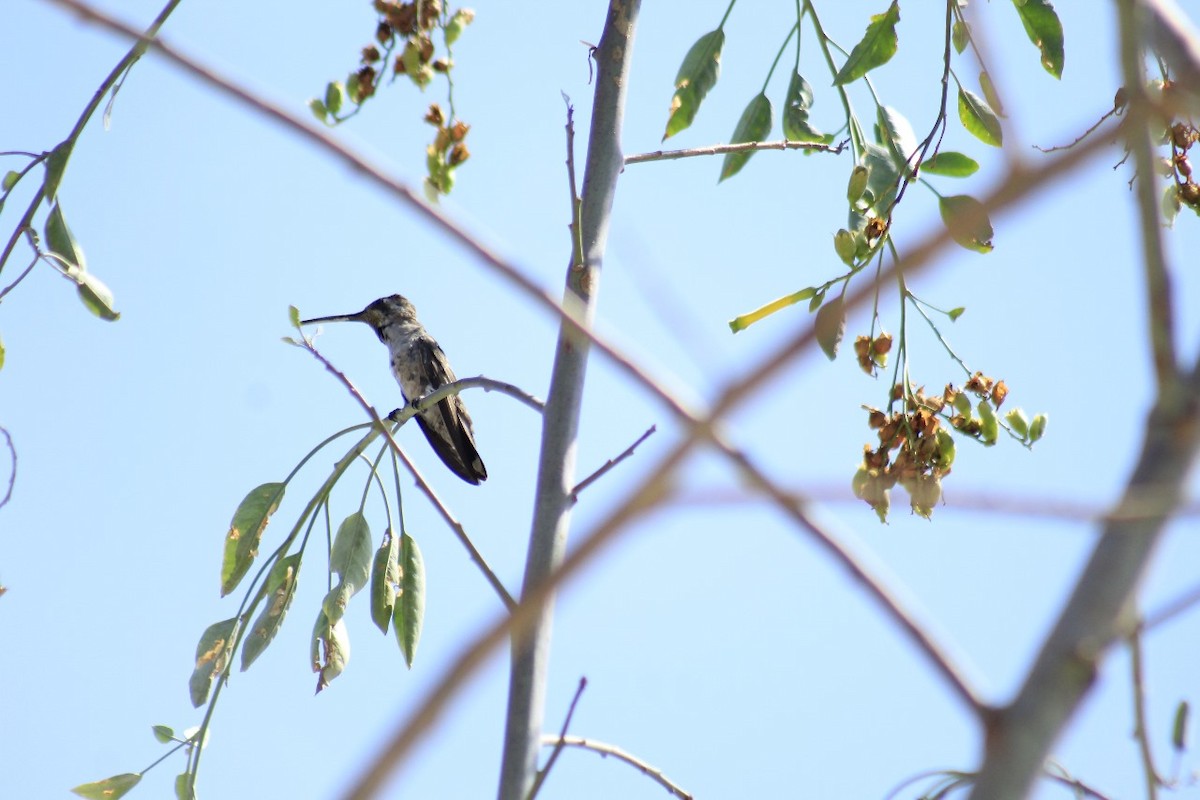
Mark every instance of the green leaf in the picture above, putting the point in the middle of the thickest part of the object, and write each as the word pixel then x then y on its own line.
pixel 409 612
pixel 1171 204
pixel 897 135
pixel 968 222
pixel 56 165
pixel 857 183
pixel 830 326
pixel 877 47
pixel 294 316
pixel 989 429
pixel 846 246
pixel 10 180
pixel 978 118
pixel 883 178
pixel 960 35
pixel 61 240
pixel 245 532
pixel 163 733
pixel 454 28
pixel 318 109
pixel 754 126
pixel 1037 428
pixel 212 655
pixel 955 313
pixel 950 165
pixel 1045 30
pixel 946 449
pixel 352 551
pixel 1019 423
pixel 335 93
pixel 110 788
pixel 990 94
pixel 795 112
pixel 279 590
pixel 815 302
pixel 1 354
pixel 385 577
pixel 184 788
pixel 697 75
pixel 95 295
pixel 1179 727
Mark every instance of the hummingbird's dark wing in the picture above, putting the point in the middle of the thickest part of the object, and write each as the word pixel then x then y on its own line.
pixel 447 425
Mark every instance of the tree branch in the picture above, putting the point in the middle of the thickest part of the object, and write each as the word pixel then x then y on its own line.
pixel 560 422
pixel 741 147
pixel 1100 607
pixel 621 755
pixel 608 465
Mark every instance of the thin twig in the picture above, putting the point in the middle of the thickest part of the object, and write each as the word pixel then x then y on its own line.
pixel 12 477
pixel 459 531
pixel 957 500
pixel 1172 609
pixel 606 750
pixel 612 462
pixel 407 412
pixel 1141 730
pixel 560 743
pixel 741 147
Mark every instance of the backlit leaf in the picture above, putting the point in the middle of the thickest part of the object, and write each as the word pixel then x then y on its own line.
pixel 950 164
pixel 110 788
pixel 697 75
pixel 897 134
pixel 409 613
pixel 831 326
pixel 754 126
pixel 212 656
pixel 967 221
pixel 960 35
pixel 385 578
pixel 876 48
pixel 795 112
pixel 979 119
pixel 1045 30
pixel 245 532
pixel 56 165
pixel 280 589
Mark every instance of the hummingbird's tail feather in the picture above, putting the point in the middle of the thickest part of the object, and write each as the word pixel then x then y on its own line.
pixel 454 441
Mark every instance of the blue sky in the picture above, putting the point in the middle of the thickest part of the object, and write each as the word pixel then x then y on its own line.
pixel 718 643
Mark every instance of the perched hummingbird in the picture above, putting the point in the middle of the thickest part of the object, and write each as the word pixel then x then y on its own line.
pixel 420 367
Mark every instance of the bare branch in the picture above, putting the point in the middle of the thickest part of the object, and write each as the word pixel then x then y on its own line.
pixel 1100 608
pixel 741 147
pixel 405 413
pixel 559 743
pixel 560 422
pixel 12 476
pixel 612 462
pixel 621 755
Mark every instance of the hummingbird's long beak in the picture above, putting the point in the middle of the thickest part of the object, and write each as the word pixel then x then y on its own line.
pixel 358 317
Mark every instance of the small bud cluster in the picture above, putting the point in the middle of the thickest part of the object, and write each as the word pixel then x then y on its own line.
pixel 872 353
pixel 404 44
pixel 447 151
pixel 916 448
pixel 1183 136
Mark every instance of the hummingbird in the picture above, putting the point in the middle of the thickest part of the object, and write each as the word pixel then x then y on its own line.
pixel 420 367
